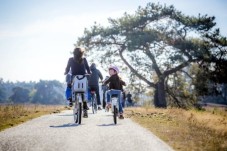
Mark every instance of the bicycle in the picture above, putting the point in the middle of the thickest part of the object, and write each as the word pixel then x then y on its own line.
pixel 94 105
pixel 79 87
pixel 114 108
pixel 77 107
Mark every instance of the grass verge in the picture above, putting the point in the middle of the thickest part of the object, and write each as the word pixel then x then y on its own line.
pixel 11 115
pixel 185 130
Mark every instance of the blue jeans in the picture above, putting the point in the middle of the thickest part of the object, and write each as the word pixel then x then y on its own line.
pixel 111 92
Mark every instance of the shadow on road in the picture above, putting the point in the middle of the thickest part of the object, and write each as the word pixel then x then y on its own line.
pixel 105 125
pixel 109 115
pixel 65 115
pixel 65 125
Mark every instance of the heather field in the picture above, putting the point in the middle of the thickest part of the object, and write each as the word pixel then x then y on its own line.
pixel 185 129
pixel 11 115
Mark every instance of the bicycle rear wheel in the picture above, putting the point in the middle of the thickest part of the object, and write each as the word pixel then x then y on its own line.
pixel 79 112
pixel 94 104
pixel 75 113
pixel 115 114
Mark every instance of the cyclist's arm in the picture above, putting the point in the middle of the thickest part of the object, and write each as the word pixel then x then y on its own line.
pixel 107 81
pixel 86 66
pixel 122 82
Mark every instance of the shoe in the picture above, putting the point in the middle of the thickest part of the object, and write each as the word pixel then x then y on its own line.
pixel 85 106
pixel 85 114
pixel 121 116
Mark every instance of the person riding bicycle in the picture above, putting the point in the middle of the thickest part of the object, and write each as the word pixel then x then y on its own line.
pixel 115 88
pixel 78 66
pixel 93 83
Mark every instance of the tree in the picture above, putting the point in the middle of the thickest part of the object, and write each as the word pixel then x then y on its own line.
pixel 2 91
pixel 156 41
pixel 48 92
pixel 20 95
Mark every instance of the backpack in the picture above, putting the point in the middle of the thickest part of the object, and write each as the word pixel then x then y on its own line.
pixel 79 83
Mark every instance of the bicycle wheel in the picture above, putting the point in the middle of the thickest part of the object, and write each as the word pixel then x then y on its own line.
pixel 75 112
pixel 92 105
pixel 79 112
pixel 95 104
pixel 115 114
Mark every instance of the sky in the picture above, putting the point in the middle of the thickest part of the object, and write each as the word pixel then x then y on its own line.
pixel 38 36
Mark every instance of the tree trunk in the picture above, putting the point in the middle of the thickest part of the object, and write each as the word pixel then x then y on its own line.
pixel 159 97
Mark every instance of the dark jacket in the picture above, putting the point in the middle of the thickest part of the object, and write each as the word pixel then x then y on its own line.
pixel 115 82
pixel 94 77
pixel 77 68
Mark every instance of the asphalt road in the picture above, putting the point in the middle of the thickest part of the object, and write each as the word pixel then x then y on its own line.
pixel 58 132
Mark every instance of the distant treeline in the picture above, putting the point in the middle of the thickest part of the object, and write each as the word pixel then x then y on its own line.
pixel 42 92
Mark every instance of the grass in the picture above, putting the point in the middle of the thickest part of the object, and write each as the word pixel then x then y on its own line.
pixel 185 130
pixel 12 115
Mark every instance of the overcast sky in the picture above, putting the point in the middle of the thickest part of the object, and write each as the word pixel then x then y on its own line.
pixel 37 36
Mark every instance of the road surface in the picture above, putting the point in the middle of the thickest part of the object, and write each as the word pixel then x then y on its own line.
pixel 57 132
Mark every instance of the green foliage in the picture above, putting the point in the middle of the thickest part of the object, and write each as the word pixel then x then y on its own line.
pixel 157 39
pixel 20 95
pixel 47 93
pixel 42 92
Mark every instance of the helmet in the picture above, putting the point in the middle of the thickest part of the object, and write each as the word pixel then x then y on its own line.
pixel 114 68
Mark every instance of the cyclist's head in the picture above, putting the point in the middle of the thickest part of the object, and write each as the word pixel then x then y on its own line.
pixel 93 65
pixel 78 54
pixel 113 70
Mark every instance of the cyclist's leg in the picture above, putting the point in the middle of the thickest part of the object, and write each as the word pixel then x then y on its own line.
pixel 68 90
pixel 89 95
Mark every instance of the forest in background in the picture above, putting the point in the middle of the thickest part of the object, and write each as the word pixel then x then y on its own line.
pixel 42 92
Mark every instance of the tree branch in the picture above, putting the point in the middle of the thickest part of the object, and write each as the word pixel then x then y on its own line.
pixel 132 69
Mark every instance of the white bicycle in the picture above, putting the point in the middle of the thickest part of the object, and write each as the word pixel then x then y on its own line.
pixel 79 88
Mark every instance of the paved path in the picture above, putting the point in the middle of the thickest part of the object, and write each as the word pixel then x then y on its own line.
pixel 57 132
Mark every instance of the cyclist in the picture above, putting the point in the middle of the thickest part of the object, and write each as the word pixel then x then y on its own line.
pixel 93 83
pixel 78 66
pixel 129 99
pixel 115 87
